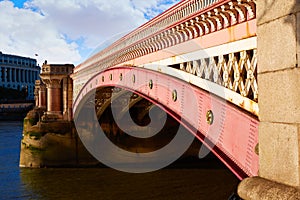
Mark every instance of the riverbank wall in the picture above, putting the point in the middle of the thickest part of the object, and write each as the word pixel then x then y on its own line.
pixel 52 143
pixel 14 111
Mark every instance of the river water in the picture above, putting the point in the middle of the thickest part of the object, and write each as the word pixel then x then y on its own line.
pixel 205 181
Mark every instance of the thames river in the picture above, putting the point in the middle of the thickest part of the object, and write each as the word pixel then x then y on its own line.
pixel 197 181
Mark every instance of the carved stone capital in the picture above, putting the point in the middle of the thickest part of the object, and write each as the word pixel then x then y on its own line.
pixel 52 83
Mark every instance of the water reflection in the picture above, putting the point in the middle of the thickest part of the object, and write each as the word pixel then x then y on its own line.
pixel 203 179
pixel 105 183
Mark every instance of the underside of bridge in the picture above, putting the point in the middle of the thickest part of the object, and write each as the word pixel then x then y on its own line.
pixel 206 116
pixel 133 118
pixel 138 125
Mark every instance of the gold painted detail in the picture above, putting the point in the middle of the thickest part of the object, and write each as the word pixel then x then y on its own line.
pixel 210 117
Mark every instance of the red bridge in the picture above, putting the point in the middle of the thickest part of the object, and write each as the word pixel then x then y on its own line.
pixel 191 72
pixel 197 61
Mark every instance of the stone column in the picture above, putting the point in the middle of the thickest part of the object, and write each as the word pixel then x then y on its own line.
pixel 21 76
pixel 26 76
pixel 70 99
pixel 278 32
pixel 56 79
pixel 29 76
pixel 53 96
pixel 42 96
pixel 65 97
pixel 10 75
pixel 5 75
pixel 14 75
pixel 36 93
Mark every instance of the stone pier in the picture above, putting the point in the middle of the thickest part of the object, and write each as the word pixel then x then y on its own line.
pixel 278 32
pixel 49 136
pixel 57 79
pixel 40 94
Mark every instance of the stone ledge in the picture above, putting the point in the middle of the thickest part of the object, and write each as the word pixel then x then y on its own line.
pixel 257 188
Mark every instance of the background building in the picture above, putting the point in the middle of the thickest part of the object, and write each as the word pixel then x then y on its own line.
pixel 18 73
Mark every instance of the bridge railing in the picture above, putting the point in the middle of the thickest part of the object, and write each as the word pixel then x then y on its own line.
pixel 184 21
pixel 161 22
pixel 188 20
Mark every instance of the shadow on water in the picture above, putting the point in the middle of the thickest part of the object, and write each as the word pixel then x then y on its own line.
pixel 188 178
pixel 105 183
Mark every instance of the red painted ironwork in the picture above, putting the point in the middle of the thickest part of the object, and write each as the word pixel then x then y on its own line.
pixel 230 133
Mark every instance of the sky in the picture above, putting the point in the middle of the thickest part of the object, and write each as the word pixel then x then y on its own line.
pixel 69 31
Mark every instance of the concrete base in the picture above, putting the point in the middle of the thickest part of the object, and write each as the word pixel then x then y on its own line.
pixel 257 188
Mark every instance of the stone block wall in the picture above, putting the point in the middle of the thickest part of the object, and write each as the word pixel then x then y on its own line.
pixel 278 35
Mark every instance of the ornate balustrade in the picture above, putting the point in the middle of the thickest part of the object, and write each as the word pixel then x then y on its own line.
pixel 185 21
pixel 188 20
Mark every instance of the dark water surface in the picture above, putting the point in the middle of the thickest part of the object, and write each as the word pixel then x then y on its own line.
pixel 198 182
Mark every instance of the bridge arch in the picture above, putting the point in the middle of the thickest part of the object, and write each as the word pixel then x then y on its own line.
pixel 232 143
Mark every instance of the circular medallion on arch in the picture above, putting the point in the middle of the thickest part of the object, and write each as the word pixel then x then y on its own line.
pixel 121 77
pixel 133 78
pixel 174 95
pixel 103 78
pixel 151 84
pixel 110 77
pixel 210 117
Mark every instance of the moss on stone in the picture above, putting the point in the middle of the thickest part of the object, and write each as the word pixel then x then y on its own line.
pixel 35 149
pixel 35 135
pixel 33 121
pixel 61 128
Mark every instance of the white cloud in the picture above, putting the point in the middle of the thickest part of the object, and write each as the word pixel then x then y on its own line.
pixel 26 33
pixel 152 8
pixel 65 31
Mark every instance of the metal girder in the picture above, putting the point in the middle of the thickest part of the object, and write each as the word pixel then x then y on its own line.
pixel 229 132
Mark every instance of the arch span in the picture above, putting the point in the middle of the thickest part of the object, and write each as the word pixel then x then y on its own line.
pixel 227 131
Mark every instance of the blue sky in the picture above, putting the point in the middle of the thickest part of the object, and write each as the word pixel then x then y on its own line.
pixel 68 31
pixel 19 3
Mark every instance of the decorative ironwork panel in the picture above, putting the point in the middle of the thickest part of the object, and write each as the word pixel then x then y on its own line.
pixel 235 71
